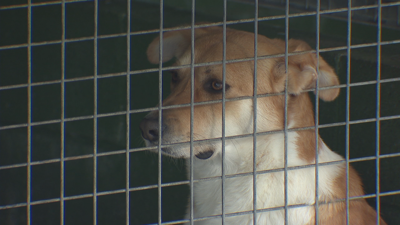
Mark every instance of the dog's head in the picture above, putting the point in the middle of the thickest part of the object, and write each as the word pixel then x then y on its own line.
pixel 238 117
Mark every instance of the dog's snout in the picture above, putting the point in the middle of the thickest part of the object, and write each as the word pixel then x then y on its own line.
pixel 149 128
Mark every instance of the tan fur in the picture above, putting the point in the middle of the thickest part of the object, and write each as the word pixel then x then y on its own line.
pixel 360 213
pixel 301 74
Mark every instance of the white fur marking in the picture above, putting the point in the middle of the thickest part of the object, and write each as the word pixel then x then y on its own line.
pixel 270 186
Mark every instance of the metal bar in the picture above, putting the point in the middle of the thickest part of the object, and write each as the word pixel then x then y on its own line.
pixel 255 113
pixel 18 6
pixel 378 112
pixel 160 121
pixel 209 179
pixel 372 6
pixel 188 65
pixel 29 127
pixel 286 112
pixel 214 178
pixel 261 171
pixel 228 138
pixel 192 63
pixel 62 147
pixel 260 211
pixel 198 141
pixel 95 127
pixel 348 81
pixel 241 21
pixel 316 118
pixel 389 80
pixel 128 115
pixel 223 182
pixel 202 218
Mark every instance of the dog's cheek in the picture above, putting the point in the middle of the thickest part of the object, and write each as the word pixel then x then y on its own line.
pixel 239 117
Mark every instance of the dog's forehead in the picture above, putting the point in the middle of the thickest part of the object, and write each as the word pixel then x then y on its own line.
pixel 209 50
pixel 238 45
pixel 233 70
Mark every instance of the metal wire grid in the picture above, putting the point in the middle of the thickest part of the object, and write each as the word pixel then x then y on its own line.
pixel 254 113
pixel 128 106
pixel 378 113
pixel 347 157
pixel 390 19
pixel 160 98
pixel 96 18
pixel 316 113
pixel 127 112
pixel 62 201
pixel 285 124
pixel 29 173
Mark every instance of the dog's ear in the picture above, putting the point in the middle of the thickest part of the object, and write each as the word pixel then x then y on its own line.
pixel 302 69
pixel 174 44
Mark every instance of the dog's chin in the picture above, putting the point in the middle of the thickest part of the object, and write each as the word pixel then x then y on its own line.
pixel 185 153
pixel 172 153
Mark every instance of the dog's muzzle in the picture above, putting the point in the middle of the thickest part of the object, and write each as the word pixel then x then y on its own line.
pixel 151 133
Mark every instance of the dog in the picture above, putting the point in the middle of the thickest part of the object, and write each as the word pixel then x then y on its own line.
pixel 274 77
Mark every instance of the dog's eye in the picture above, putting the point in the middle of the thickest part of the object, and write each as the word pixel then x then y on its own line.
pixel 175 77
pixel 216 85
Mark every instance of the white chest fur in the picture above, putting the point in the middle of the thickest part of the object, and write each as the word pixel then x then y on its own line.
pixel 270 186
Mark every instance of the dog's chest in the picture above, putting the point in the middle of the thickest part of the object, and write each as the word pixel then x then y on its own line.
pixel 236 194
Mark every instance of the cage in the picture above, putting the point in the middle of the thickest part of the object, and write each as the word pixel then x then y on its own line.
pixel 75 84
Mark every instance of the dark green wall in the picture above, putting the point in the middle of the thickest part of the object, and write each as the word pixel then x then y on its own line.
pixel 79 88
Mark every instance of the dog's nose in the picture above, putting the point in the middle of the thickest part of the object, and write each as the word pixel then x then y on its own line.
pixel 149 128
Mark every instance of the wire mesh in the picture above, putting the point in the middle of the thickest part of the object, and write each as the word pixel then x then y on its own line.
pixel 378 113
pixel 255 114
pixel 128 150
pixel 347 113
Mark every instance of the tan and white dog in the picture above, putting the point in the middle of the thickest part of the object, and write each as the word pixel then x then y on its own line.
pixel 239 116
